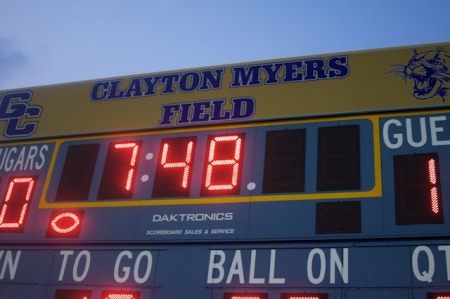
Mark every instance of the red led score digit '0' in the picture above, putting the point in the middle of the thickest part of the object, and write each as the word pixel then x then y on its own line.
pixel 16 201
pixel 173 172
pixel 223 165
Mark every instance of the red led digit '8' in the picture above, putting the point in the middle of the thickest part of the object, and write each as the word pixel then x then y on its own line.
pixel 16 201
pixel 223 164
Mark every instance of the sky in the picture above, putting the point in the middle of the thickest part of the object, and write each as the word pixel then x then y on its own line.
pixel 58 41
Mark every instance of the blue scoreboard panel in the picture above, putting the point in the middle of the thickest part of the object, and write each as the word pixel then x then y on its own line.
pixel 360 176
pixel 347 205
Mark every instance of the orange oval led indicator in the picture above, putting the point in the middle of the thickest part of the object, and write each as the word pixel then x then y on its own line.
pixel 65 223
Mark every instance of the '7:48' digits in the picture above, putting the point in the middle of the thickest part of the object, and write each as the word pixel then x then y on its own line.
pixel 174 168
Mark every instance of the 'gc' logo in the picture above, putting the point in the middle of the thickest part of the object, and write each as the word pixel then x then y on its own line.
pixel 14 107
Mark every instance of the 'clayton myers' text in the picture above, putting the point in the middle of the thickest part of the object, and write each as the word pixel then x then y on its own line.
pixel 212 79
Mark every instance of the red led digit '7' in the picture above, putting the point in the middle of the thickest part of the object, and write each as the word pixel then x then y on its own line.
pixel 223 164
pixel 134 149
pixel 119 171
pixel 16 201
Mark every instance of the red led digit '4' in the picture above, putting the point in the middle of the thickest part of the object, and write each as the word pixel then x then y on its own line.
pixel 223 164
pixel 16 201
pixel 173 172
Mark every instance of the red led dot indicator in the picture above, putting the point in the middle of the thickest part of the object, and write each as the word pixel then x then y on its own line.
pixel 65 224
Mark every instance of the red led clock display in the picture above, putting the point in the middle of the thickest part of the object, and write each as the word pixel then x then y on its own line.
pixel 221 174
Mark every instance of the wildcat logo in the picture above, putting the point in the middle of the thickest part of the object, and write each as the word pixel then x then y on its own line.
pixel 13 109
pixel 429 72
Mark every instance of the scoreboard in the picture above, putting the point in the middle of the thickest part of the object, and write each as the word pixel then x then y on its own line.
pixel 309 177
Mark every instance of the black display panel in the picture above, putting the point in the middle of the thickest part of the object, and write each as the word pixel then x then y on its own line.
pixel 338 217
pixel 417 189
pixel 338 158
pixel 72 294
pixel 284 161
pixel 77 173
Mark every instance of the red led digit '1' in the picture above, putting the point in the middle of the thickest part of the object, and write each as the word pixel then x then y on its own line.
pixel 418 198
pixel 173 173
pixel 223 164
pixel 119 171
pixel 16 201
pixel 434 194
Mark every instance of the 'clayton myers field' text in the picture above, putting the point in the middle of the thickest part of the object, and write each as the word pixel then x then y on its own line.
pixel 211 79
